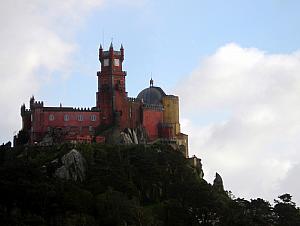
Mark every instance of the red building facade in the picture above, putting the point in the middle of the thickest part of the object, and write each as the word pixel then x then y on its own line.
pixel 151 110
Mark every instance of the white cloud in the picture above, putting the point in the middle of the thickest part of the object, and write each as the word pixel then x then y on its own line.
pixel 35 41
pixel 254 144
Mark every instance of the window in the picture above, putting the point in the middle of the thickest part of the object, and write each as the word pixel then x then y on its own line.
pixel 51 117
pixel 80 117
pixel 93 117
pixel 66 118
pixel 117 62
pixel 106 62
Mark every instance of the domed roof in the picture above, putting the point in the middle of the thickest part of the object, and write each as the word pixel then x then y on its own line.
pixel 152 95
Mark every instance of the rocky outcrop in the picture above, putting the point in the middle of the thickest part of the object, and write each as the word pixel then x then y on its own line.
pixel 197 165
pixel 128 136
pixel 73 167
pixel 218 183
pixel 133 136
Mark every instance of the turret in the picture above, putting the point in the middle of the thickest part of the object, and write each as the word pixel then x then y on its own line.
pixel 111 48
pixel 31 102
pixel 100 52
pixel 122 52
pixel 23 110
pixel 111 85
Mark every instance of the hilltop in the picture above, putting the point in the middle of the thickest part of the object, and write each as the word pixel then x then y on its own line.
pixel 92 184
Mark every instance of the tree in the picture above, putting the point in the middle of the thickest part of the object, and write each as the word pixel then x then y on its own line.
pixel 286 211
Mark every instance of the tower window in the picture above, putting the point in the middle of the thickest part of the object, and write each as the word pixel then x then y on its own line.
pixel 80 117
pixel 117 62
pixel 51 117
pixel 66 118
pixel 93 117
pixel 106 62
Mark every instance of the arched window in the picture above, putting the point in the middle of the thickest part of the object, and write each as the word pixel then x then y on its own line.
pixel 51 117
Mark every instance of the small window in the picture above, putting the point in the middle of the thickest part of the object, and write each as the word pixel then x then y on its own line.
pixel 106 62
pixel 51 117
pixel 93 117
pixel 66 118
pixel 80 117
pixel 91 129
pixel 117 62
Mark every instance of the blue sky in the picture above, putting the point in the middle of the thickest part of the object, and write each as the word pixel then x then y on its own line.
pixel 168 39
pixel 235 66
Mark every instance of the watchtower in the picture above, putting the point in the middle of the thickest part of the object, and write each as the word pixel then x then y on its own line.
pixel 111 95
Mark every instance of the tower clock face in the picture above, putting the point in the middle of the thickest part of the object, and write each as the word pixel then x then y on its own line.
pixel 106 62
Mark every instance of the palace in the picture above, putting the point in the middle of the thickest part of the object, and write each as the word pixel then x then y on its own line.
pixel 152 111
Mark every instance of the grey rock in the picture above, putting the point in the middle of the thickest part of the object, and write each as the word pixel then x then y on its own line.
pixel 133 136
pixel 73 167
pixel 218 183
pixel 125 138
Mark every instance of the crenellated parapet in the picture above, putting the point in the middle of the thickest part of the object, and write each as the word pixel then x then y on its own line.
pixel 156 107
pixel 86 109
pixel 173 97
pixel 71 109
pixel 35 104
pixel 132 99
pixel 25 111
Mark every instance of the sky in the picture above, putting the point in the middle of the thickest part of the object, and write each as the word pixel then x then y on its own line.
pixel 235 66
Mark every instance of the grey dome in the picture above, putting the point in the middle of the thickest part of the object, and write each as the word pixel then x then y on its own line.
pixel 152 95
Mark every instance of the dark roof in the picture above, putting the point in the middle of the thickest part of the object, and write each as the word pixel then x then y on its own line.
pixel 152 95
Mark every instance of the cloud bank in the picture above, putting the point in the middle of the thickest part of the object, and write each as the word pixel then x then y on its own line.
pixel 241 110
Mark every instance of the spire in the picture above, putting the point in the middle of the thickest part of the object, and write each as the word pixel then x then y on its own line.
pixel 100 52
pixel 122 52
pixel 111 45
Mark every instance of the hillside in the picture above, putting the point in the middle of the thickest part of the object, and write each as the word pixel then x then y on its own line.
pixel 121 185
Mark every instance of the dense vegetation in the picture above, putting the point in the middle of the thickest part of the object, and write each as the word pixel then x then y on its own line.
pixel 124 185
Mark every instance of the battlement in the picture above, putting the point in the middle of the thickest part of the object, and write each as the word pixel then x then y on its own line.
pixel 156 107
pixel 111 52
pixel 107 53
pixel 24 111
pixel 132 99
pixel 39 103
pixel 171 97
pixel 71 109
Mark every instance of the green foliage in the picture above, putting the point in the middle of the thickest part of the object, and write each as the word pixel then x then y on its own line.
pixel 125 185
pixel 286 211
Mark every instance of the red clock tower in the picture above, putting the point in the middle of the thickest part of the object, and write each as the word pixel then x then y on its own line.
pixel 112 95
